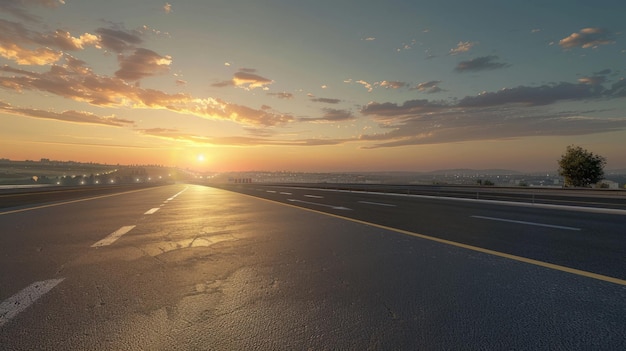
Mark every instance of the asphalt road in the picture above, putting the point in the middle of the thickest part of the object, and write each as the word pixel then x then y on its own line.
pixel 186 267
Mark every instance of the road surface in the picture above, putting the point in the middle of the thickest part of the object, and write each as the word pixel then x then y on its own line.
pixel 191 267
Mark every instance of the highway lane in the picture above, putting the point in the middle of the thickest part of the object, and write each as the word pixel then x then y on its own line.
pixel 212 269
pixel 40 241
pixel 585 239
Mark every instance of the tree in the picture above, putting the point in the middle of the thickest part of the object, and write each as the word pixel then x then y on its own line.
pixel 580 167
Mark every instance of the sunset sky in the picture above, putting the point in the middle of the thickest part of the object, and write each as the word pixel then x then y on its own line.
pixel 313 85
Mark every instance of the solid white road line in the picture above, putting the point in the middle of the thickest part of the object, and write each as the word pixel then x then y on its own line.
pixel 151 211
pixel 527 223
pixel 318 204
pixel 376 203
pixel 114 236
pixel 17 303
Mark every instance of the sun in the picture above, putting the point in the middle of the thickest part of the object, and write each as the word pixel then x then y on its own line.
pixel 200 158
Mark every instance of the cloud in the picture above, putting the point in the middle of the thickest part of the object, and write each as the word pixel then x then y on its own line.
pixel 118 40
pixel 392 84
pixel 76 82
pixel 326 100
pixel 283 95
pixel 592 80
pixel 331 116
pixel 462 46
pixel 480 64
pixel 250 80
pixel 408 108
pixel 407 46
pixel 531 96
pixel 507 113
pixel 173 134
pixel 16 44
pixel 490 125
pixel 142 63
pixel 71 116
pixel 367 85
pixel 587 38
pixel 246 79
pixel 167 8
pixel 18 8
pixel 23 56
pixel 429 87
pixel 382 84
pixel 65 41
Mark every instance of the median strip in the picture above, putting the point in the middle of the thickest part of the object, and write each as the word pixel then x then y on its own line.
pixel 17 303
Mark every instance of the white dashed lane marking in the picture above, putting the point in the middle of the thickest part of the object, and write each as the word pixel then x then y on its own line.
pixel 114 236
pixel 152 211
pixel 17 303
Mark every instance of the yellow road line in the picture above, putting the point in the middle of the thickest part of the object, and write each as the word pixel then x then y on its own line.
pixel 465 246
pixel 72 201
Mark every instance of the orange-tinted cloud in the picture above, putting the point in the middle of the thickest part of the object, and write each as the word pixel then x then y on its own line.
pixel 81 117
pixel 142 63
pixel 587 38
pixel 246 79
pixel 75 81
